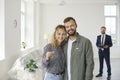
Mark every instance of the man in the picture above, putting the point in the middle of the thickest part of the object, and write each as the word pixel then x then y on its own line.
pixel 79 53
pixel 104 43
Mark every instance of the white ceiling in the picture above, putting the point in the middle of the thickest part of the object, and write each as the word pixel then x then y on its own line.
pixel 77 1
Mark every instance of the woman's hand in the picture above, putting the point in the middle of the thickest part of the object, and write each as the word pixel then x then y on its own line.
pixel 49 55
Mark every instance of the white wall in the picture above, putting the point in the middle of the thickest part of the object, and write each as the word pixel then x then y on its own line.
pixel 12 36
pixel 89 17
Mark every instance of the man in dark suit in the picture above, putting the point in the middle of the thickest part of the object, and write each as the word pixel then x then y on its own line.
pixel 104 43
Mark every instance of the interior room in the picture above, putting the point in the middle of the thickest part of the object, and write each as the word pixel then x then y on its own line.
pixel 26 26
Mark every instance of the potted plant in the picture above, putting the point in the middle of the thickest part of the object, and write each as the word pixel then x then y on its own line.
pixel 24 45
pixel 31 65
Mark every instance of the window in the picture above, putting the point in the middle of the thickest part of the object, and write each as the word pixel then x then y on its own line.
pixel 22 22
pixel 111 22
pixel 27 23
pixel 2 42
pixel 2 31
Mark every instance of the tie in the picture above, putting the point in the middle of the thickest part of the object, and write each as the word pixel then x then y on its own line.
pixel 102 41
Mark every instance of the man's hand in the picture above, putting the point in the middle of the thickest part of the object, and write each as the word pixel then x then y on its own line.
pixel 99 47
pixel 49 54
pixel 106 46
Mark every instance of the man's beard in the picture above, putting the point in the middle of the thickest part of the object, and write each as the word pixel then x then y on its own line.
pixel 103 32
pixel 72 33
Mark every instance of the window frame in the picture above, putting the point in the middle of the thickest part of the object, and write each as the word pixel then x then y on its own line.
pixel 28 42
pixel 116 41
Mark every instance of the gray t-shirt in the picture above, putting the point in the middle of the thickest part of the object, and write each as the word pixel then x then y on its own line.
pixel 56 64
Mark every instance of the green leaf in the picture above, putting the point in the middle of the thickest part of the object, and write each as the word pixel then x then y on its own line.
pixel 31 65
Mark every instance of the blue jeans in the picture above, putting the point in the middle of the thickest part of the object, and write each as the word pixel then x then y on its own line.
pixel 50 76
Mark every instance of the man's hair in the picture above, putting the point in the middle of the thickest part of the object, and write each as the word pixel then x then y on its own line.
pixel 68 19
pixel 103 27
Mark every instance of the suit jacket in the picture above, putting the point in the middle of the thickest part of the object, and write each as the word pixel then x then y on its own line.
pixel 82 63
pixel 108 42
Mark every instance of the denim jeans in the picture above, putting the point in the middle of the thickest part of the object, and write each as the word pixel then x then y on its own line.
pixel 50 76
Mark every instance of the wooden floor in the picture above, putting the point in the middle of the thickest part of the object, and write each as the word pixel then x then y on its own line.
pixel 115 70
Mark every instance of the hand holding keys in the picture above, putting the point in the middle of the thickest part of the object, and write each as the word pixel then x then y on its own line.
pixel 49 55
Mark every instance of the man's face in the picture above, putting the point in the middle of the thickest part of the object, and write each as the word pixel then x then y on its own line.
pixel 103 30
pixel 70 27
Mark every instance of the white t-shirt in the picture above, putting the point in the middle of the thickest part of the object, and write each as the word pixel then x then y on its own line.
pixel 69 58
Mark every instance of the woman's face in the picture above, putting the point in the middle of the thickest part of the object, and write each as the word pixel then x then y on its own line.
pixel 60 35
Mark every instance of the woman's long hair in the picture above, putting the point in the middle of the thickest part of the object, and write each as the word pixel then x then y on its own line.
pixel 54 41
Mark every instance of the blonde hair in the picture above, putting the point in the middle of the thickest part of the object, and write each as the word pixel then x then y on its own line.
pixel 54 42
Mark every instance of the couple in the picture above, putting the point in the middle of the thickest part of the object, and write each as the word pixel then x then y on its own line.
pixel 68 58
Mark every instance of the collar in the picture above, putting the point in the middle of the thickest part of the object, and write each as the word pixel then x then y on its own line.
pixel 77 39
pixel 103 34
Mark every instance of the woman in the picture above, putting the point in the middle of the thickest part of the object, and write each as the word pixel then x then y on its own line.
pixel 53 57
